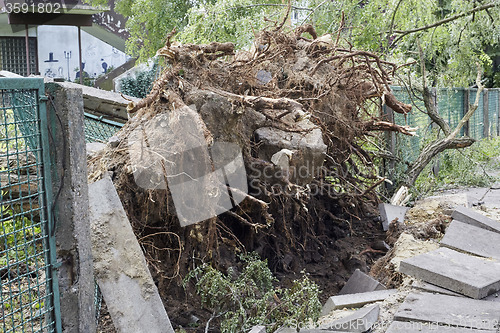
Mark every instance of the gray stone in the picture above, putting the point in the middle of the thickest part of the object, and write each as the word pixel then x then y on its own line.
pixel 258 329
pixel 360 321
pixel 304 166
pixel 73 236
pixel 94 147
pixel 449 310
pixel 355 300
pixel 114 141
pixel 429 287
pixel 467 275
pixel 120 267
pixel 468 238
pixel 474 218
pixel 360 282
pixel 389 213
pixel 420 327
pixel 264 77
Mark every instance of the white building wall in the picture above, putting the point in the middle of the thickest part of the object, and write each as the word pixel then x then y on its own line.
pixel 62 43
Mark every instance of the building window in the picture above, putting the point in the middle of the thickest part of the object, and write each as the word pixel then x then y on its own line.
pixel 13 55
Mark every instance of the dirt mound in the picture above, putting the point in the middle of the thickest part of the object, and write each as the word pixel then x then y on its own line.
pixel 291 103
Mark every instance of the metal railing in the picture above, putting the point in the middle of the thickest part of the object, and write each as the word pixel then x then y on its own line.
pixel 29 291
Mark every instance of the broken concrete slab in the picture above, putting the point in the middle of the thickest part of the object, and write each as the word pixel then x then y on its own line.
pixel 474 240
pixel 470 216
pixel 449 310
pixel 94 147
pixel 304 330
pixel 495 297
pixel 420 327
pixel 389 213
pixel 431 288
pixel 360 321
pixel 355 300
pixel 360 282
pixel 120 267
pixel 467 275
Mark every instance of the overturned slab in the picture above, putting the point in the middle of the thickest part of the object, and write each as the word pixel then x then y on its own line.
pixel 258 329
pixel 360 282
pixel 360 321
pixel 474 218
pixel 120 268
pixel 467 275
pixel 389 213
pixel 355 300
pixel 474 240
pixel 420 327
pixel 430 288
pixel 449 310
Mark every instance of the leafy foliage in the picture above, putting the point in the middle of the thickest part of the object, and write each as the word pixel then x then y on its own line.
pixel 248 298
pixel 140 85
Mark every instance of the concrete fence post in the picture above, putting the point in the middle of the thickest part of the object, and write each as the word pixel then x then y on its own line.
pixel 72 227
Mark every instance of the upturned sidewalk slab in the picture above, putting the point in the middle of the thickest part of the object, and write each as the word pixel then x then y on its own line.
pixel 467 275
pixel 389 213
pixel 449 310
pixel 360 282
pixel 360 321
pixel 468 238
pixel 355 300
pixel 430 288
pixel 120 267
pixel 419 327
pixel 474 218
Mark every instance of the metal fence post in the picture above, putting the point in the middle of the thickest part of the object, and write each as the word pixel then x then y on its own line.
pixel 486 114
pixel 72 229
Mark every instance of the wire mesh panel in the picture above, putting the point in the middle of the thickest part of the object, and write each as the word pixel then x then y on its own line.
pixel 493 109
pixel 98 129
pixel 28 301
pixel 476 122
pixel 451 105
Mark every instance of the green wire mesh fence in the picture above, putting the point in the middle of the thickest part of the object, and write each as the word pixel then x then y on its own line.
pixel 452 104
pixel 26 297
pixel 99 129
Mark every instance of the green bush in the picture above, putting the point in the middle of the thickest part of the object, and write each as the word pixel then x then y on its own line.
pixel 141 85
pixel 249 298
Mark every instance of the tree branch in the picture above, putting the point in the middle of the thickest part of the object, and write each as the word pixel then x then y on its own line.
pixel 271 5
pixel 441 22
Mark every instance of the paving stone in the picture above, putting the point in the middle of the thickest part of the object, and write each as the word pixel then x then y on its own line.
pixel 429 287
pixel 419 327
pixel 449 310
pixel 258 329
pixel 311 330
pixel 495 297
pixel 355 300
pixel 360 282
pixel 474 240
pixel 120 268
pixel 467 275
pixel 469 216
pixel 360 321
pixel 389 213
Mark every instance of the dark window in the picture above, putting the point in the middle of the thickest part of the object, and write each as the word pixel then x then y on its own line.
pixel 13 55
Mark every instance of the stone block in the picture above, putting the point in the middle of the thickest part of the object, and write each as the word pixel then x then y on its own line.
pixel 449 310
pixel 431 288
pixel 420 327
pixel 467 275
pixel 258 329
pixel 120 267
pixel 360 321
pixel 389 213
pixel 470 216
pixel 360 282
pixel 474 240
pixel 355 300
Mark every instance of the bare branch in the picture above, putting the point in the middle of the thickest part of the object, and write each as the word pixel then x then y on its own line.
pixel 271 5
pixel 446 20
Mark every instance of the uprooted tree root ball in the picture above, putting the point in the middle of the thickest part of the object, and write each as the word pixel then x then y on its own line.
pixel 289 103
